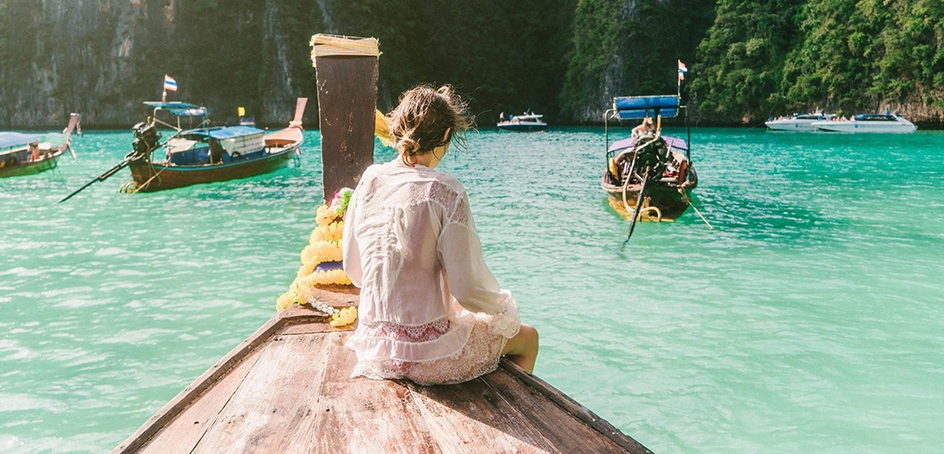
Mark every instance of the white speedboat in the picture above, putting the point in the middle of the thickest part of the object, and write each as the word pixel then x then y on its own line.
pixel 524 122
pixel 798 122
pixel 873 123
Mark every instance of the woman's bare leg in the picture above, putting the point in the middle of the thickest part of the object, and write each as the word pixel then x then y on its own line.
pixel 523 348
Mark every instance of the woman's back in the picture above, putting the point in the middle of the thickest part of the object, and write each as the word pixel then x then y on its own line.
pixel 400 214
pixel 430 309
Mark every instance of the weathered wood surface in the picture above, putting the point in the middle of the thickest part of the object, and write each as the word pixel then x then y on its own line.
pixel 347 98
pixel 287 389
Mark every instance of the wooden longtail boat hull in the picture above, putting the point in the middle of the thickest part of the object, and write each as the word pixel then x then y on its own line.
pixel 150 177
pixel 287 389
pixel 30 168
pixel 671 202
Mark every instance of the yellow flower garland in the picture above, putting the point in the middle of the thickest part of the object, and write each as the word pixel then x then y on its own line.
pixel 324 245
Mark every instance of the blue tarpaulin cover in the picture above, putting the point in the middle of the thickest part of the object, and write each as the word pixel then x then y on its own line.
pixel 630 107
pixel 643 102
pixel 14 139
pixel 227 132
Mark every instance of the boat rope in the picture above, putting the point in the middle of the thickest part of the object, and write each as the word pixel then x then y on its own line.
pixel 652 208
pixel 151 166
pixel 627 179
pixel 688 199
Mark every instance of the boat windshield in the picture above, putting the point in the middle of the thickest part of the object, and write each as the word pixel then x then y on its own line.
pixel 874 117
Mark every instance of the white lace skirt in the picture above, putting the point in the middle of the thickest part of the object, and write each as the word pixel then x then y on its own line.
pixel 479 356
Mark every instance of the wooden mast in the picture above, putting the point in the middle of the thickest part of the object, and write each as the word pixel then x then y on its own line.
pixel 346 69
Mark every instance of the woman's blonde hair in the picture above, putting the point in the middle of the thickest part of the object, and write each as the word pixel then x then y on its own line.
pixel 420 121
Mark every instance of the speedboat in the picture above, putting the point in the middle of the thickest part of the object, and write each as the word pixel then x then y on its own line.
pixel 872 123
pixel 524 122
pixel 798 122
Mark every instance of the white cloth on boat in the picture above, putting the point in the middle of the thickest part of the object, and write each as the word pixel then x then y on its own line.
pixel 411 245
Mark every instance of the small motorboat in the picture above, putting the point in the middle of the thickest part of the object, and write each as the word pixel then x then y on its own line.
pixel 525 122
pixel 798 122
pixel 27 154
pixel 868 123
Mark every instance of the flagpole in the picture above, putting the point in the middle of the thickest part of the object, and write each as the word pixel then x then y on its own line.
pixel 679 85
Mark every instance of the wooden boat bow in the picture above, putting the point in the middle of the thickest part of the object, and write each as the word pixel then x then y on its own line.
pixel 287 388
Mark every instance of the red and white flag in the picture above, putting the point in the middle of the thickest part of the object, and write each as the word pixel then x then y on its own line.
pixel 169 83
pixel 682 70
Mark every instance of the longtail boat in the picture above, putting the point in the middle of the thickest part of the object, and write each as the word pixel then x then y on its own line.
pixel 650 175
pixel 27 154
pixel 287 389
pixel 205 154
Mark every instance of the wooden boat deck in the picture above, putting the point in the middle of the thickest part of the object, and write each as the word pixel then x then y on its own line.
pixel 288 389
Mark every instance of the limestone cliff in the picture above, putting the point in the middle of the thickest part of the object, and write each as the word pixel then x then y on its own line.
pixel 102 58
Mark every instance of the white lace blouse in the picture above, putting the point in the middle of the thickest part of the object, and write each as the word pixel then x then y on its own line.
pixel 411 246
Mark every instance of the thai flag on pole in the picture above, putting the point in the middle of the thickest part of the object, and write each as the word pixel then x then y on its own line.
pixel 682 70
pixel 169 83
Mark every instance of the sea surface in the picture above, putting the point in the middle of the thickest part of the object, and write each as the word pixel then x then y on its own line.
pixel 809 316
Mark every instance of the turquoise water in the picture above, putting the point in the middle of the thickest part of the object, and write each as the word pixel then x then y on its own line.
pixel 809 319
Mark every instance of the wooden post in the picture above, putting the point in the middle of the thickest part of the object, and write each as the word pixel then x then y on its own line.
pixel 346 71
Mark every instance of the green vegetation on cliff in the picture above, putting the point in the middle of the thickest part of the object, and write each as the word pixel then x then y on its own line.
pixel 629 48
pixel 739 62
pixel 846 56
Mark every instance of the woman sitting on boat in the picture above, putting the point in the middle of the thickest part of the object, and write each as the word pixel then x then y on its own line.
pixel 644 128
pixel 430 309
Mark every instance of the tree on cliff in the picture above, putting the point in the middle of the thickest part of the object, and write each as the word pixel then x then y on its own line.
pixel 860 55
pixel 628 48
pixel 738 67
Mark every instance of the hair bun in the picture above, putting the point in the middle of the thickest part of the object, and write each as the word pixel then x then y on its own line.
pixel 408 146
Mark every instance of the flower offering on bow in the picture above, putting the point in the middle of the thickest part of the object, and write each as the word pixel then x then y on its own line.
pixel 321 259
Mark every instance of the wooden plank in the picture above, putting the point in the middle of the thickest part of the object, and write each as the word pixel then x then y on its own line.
pixel 538 400
pixel 365 416
pixel 185 398
pixel 473 417
pixel 347 97
pixel 189 427
pixel 312 328
pixel 279 393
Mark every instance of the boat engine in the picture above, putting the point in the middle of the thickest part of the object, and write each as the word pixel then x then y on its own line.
pixel 652 158
pixel 146 139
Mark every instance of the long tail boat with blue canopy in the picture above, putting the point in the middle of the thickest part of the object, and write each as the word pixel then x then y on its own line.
pixel 27 154
pixel 648 174
pixel 202 154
